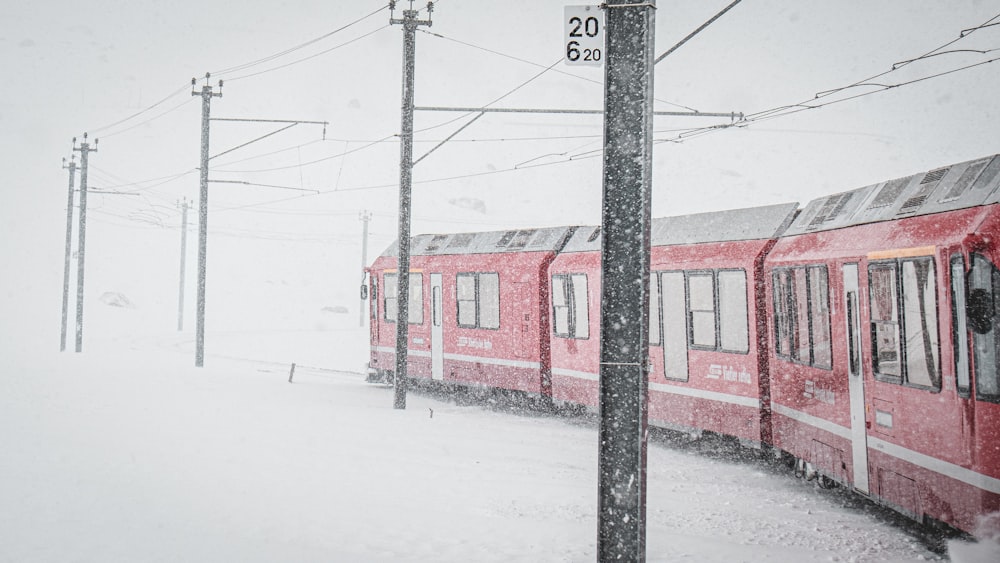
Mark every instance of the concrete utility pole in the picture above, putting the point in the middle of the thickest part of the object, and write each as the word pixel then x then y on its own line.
pixel 206 107
pixel 365 217
pixel 84 150
pixel 410 25
pixel 628 146
pixel 184 206
pixel 69 249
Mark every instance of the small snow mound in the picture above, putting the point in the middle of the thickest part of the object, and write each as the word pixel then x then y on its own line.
pixel 986 549
pixel 338 309
pixel 115 299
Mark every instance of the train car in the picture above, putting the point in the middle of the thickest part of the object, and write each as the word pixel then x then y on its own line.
pixel 478 309
pixel 884 341
pixel 706 371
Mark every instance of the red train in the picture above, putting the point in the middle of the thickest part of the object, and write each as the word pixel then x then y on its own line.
pixel 859 335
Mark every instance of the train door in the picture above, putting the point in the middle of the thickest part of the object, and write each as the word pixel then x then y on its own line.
pixel 437 331
pixel 856 379
pixel 675 331
pixel 373 297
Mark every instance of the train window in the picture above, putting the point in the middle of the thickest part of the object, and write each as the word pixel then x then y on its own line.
pixel 489 300
pixel 983 312
pixel 581 308
pixel 920 323
pixel 782 318
pixel 904 322
pixel 465 286
pixel 819 317
pixel 802 315
pixel 560 306
pixel 733 329
pixel 374 298
pixel 478 298
pixel 415 304
pixel 390 297
pixel 882 294
pixel 570 307
pixel 654 309
pixel 960 329
pixel 701 310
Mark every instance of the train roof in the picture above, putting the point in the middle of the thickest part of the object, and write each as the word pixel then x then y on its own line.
pixel 548 239
pixel 752 223
pixel 958 186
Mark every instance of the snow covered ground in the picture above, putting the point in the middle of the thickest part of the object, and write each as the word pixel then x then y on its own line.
pixel 128 453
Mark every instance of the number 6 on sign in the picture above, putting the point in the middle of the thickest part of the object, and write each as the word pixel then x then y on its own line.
pixel 584 35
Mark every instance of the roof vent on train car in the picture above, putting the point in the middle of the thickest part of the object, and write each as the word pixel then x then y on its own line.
pixel 927 186
pixel 506 238
pixel 593 236
pixel 830 209
pixel 889 192
pixel 462 240
pixel 436 243
pixel 543 238
pixel 964 181
pixel 521 239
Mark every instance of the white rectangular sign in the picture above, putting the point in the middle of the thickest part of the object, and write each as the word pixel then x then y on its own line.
pixel 583 35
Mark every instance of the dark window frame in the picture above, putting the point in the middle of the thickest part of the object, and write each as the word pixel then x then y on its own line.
pixel 717 309
pixel 395 297
pixel 897 266
pixel 786 308
pixel 957 259
pixel 477 301
pixel 569 294
pixel 976 260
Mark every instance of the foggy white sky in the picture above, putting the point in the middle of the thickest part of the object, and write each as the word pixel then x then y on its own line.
pixel 72 67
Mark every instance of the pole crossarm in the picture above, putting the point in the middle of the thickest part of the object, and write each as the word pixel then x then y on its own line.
pixel 732 115
pixel 291 122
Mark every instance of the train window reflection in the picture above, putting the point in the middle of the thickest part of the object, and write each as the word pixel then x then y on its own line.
pixel 920 323
pixel 802 315
pixel 984 306
pixel 904 322
pixel 960 334
pixel 819 314
pixel 884 321
pixel 570 307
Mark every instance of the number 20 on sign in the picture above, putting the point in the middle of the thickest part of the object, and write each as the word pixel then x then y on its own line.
pixel 584 35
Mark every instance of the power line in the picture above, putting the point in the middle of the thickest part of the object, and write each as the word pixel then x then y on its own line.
pixel 313 56
pixel 532 63
pixel 297 47
pixel 138 113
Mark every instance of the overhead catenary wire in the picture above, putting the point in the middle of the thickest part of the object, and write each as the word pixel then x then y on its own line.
pixel 290 50
pixel 310 57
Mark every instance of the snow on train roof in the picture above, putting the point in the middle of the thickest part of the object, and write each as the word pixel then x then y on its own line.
pixel 959 186
pixel 752 223
pixel 520 240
